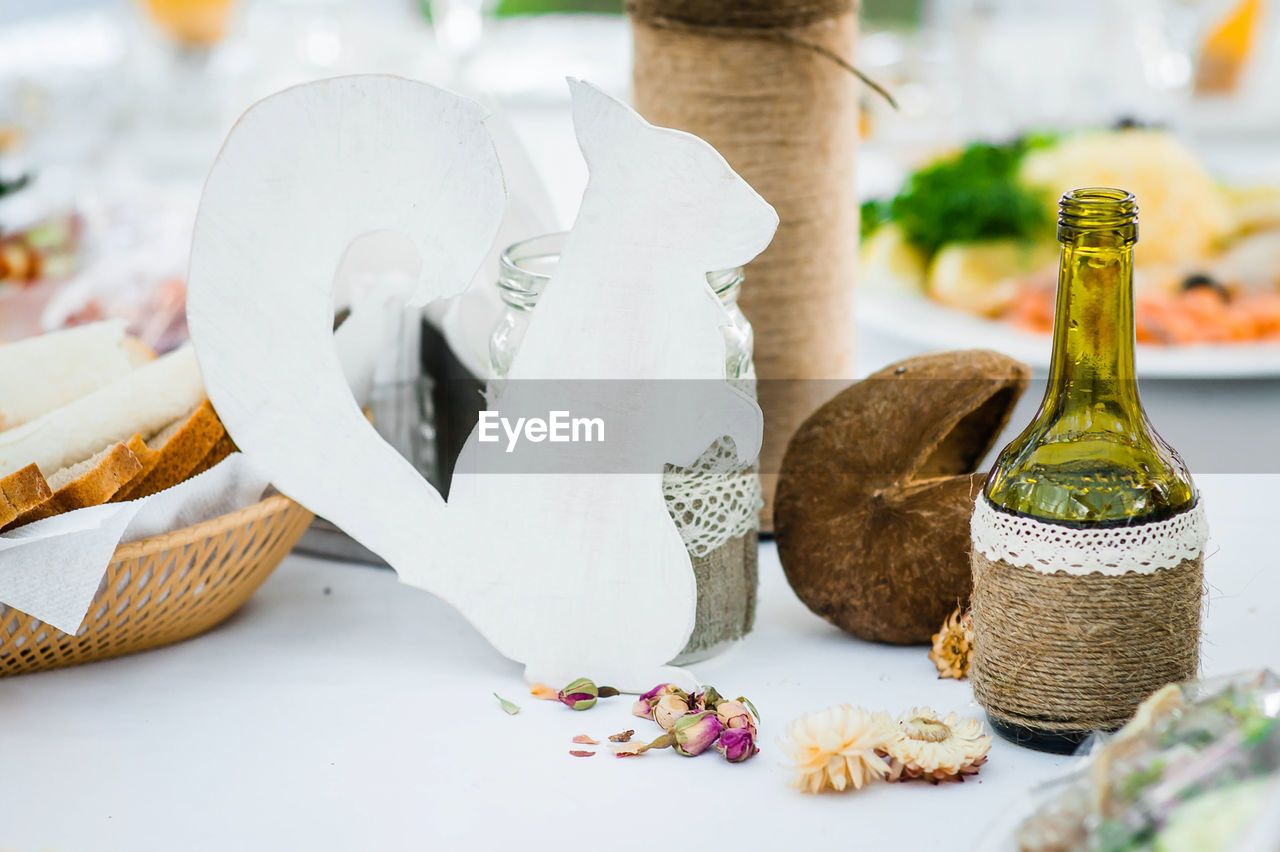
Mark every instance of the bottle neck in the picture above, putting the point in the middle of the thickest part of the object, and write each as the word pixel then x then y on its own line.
pixel 1092 367
pixel 1090 458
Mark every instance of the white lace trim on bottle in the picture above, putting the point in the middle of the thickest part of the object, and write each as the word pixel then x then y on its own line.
pixel 714 500
pixel 1049 548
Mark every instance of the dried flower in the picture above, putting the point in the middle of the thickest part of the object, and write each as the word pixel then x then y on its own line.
pixel 581 753
pixel 669 709
pixel 508 707
pixel 952 646
pixel 624 737
pixel 696 732
pixel 580 694
pixel 936 748
pixel 735 714
pixel 644 704
pixel 583 739
pixel 836 747
pixel 707 699
pixel 659 691
pixel 737 744
pixel 693 723
pixel 633 749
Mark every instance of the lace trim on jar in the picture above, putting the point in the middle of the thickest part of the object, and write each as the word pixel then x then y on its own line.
pixel 1049 547
pixel 714 500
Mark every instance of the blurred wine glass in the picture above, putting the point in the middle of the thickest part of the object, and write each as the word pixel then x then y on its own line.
pixel 176 110
pixel 459 25
pixel 191 25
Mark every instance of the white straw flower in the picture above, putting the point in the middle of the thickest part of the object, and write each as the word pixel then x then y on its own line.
pixel 836 748
pixel 936 748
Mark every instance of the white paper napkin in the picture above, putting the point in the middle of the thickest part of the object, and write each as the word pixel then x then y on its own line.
pixel 53 568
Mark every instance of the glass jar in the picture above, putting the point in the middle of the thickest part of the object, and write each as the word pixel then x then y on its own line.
pixel 526 267
pixel 726 571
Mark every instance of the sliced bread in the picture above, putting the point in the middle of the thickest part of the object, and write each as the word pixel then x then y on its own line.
pixel 42 373
pixel 142 401
pixel 88 483
pixel 146 456
pixel 220 451
pixel 21 491
pixel 178 449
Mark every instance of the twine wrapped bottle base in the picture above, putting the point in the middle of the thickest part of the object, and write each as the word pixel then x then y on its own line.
pixel 1069 652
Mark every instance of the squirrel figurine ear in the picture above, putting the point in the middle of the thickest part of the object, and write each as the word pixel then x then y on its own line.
pixel 877 487
pixel 597 116
pixel 702 193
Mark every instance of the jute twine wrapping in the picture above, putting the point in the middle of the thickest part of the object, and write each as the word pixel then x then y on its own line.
pixel 748 77
pixel 727 579
pixel 1066 653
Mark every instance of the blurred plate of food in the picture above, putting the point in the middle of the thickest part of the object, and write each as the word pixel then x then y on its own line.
pixel 76 254
pixel 40 240
pixel 965 253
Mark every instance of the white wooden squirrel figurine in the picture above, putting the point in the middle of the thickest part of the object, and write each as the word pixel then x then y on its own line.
pixel 572 573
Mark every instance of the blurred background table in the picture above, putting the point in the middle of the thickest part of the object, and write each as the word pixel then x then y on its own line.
pixel 118 111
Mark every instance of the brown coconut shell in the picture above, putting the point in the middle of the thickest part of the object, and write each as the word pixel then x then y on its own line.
pixel 877 486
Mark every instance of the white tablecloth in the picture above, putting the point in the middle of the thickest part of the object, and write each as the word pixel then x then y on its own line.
pixel 339 710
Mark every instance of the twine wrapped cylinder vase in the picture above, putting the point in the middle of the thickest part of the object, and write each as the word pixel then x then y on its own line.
pixel 766 83
pixel 1075 626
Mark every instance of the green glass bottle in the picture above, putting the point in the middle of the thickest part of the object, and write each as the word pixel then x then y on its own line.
pixel 1090 457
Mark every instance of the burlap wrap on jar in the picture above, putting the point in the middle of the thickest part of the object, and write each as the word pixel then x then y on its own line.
pixel 1074 627
pixel 714 504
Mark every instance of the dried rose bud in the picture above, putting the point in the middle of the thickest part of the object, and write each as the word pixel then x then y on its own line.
pixel 737 744
pixel 581 694
pixel 658 691
pixel 734 714
pixel 708 699
pixel 669 709
pixel 644 704
pixel 696 732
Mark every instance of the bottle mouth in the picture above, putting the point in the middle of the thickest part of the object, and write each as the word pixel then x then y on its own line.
pixel 1097 210
pixel 524 269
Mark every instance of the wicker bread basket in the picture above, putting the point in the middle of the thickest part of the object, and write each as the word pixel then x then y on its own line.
pixel 162 589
